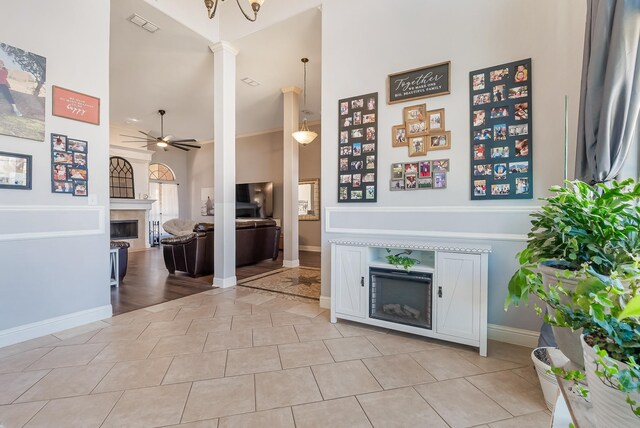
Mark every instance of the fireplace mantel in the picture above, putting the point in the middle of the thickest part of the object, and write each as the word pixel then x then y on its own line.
pixel 131 204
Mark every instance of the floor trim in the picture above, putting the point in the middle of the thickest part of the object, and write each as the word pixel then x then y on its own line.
pixel 311 248
pixel 53 325
pixel 225 282
pixel 514 336
pixel 325 302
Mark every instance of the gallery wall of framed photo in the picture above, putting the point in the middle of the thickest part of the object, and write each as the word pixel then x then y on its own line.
pixel 358 148
pixel 501 132
pixel 69 169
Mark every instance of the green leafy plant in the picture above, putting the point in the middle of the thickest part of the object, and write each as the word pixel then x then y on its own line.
pixel 401 259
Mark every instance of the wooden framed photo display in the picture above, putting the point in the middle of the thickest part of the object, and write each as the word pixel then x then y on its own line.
pixel 69 170
pixel 358 148
pixel 398 136
pixel 424 82
pixel 501 132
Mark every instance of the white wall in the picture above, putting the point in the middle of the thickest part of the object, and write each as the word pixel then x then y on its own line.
pixel 44 276
pixel 364 41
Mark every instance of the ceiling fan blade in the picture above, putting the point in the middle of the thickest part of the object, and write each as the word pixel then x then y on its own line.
pixel 150 136
pixel 178 147
pixel 133 136
pixel 193 146
pixel 188 140
pixel 166 138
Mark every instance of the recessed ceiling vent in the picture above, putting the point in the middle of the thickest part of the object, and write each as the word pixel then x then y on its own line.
pixel 141 22
pixel 249 81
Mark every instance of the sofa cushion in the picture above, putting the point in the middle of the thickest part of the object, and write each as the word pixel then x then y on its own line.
pixel 183 239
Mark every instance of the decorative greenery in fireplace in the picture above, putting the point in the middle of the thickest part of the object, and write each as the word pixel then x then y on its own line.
pixel 401 259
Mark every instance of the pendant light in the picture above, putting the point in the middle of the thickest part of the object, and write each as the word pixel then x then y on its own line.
pixel 304 136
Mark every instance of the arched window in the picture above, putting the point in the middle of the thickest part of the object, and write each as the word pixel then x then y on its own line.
pixel 161 172
pixel 121 178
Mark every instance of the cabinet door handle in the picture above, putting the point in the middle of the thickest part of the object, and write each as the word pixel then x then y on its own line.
pixel 362 281
pixel 440 292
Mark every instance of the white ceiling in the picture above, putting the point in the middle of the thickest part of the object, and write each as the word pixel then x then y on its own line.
pixel 173 69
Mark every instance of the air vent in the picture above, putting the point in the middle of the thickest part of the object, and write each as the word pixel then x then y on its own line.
pixel 250 81
pixel 141 22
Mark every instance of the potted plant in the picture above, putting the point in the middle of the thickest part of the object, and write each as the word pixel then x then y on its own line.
pixel 401 259
pixel 580 226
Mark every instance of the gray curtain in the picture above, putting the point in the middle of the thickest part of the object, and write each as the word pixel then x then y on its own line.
pixel 610 92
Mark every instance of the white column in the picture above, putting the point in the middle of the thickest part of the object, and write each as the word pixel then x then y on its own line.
pixel 290 177
pixel 224 164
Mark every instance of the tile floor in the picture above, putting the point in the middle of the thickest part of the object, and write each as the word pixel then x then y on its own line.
pixel 246 358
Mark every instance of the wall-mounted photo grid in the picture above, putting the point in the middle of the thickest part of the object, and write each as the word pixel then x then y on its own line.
pixel 358 149
pixel 501 132
pixel 69 170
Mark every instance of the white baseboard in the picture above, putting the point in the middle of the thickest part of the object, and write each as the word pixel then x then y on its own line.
pixel 514 336
pixel 53 325
pixel 325 302
pixel 291 263
pixel 225 282
pixel 311 248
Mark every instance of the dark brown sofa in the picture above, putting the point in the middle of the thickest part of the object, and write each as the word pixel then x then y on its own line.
pixel 256 240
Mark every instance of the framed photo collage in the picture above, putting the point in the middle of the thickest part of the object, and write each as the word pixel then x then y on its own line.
pixel 358 148
pixel 501 132
pixel 69 169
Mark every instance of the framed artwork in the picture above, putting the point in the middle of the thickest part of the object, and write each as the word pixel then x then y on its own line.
pixel 15 171
pixel 435 120
pixel 398 136
pixel 424 82
pixel 69 169
pixel 22 109
pixel 501 132
pixel 420 175
pixel 75 105
pixel 439 141
pixel 417 112
pixel 416 127
pixel 358 148
pixel 206 201
pixel 418 146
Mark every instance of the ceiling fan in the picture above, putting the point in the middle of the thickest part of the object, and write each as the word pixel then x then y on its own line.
pixel 163 141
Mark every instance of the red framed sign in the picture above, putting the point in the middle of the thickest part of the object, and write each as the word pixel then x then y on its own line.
pixel 75 105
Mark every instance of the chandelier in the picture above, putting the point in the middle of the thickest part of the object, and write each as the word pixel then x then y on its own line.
pixel 304 136
pixel 212 6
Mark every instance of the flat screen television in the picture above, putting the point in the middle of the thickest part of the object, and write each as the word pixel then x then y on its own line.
pixel 254 200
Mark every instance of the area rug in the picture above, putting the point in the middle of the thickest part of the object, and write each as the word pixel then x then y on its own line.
pixel 300 281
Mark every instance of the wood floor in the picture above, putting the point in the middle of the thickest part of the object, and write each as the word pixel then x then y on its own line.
pixel 149 283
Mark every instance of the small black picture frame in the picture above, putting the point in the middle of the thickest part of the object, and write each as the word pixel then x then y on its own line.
pixel 15 171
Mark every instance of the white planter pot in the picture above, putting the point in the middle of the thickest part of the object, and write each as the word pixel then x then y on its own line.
pixel 609 404
pixel 548 381
pixel 568 341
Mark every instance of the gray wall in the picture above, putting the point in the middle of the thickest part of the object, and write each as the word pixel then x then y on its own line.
pixel 478 35
pixel 45 275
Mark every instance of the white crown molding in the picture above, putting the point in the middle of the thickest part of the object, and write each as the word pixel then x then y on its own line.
pixel 223 46
pixel 293 89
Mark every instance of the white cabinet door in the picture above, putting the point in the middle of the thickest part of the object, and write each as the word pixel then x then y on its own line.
pixel 457 295
pixel 350 264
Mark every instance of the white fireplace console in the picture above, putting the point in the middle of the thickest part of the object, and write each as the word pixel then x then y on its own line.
pixel 457 298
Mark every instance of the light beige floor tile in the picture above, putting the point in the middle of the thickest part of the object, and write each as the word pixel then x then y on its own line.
pixel 256 298
pixel 165 329
pixel 312 331
pixel 80 339
pixel 80 412
pixel 210 325
pixel 344 379
pixel 278 305
pixel 280 418
pixel 67 382
pixel 119 332
pixel 220 397
pixel 446 364
pixel 179 345
pixel 348 329
pixel 533 420
pixel 226 309
pixel 460 404
pixel 488 364
pixel 200 312
pixel 511 391
pixel 274 336
pixel 351 348
pixel 509 352
pixel 149 407
pixel 228 340
pixel 67 356
pixel 236 293
pixel 285 318
pixel 27 345
pixel 188 368
pixel 391 344
pixel 243 322
pixel 13 385
pixel 399 408
pixel 81 330
pixel 126 351
pixel 286 388
pixel 252 360
pixel 18 362
pixel 209 423
pixel 153 315
pixel 304 354
pixel 342 413
pixel 134 374
pixel 310 310
pixel 527 373
pixel 324 316
pixel 16 415
pixel 162 307
pixel 395 371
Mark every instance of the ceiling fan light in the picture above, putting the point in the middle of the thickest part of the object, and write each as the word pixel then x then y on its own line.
pixel 162 144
